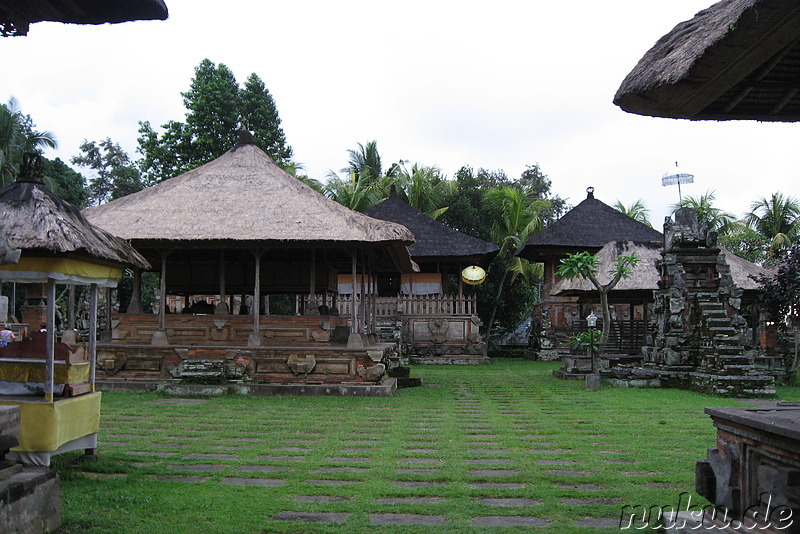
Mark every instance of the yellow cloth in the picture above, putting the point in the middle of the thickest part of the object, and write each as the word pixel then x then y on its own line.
pixel 33 371
pixel 69 266
pixel 45 426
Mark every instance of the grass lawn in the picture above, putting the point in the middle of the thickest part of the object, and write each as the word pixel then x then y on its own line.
pixel 472 446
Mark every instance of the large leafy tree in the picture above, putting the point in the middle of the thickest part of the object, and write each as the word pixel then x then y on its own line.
pixel 637 211
pixel 777 220
pixel 17 136
pixel 358 195
pixel 717 219
pixel 114 174
pixel 65 182
pixel 216 107
pixel 365 162
pixel 422 187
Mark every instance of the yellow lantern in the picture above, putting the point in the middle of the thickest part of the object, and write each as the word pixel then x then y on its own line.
pixel 473 275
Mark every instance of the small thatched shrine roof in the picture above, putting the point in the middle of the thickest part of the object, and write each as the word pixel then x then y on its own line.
pixel 434 241
pixel 644 276
pixel 8 252
pixel 588 226
pixel 738 59
pixel 16 16
pixel 244 199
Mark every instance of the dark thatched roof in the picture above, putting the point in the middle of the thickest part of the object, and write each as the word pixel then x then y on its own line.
pixel 433 240
pixel 40 223
pixel 588 226
pixel 244 199
pixel 644 276
pixel 8 252
pixel 17 15
pixel 738 59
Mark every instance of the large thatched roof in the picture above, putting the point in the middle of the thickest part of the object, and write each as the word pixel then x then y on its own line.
pixel 738 59
pixel 434 240
pixel 40 223
pixel 588 226
pixel 242 199
pixel 16 16
pixel 644 276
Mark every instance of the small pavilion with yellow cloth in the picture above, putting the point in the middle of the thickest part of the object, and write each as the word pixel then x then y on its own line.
pixel 52 381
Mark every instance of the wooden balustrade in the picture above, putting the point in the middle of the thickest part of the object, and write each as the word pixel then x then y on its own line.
pixel 407 304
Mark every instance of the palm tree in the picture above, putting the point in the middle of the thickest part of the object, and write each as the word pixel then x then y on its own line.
pixel 718 220
pixel 358 195
pixel 422 187
pixel 515 216
pixel 365 162
pixel 776 219
pixel 17 136
pixel 636 211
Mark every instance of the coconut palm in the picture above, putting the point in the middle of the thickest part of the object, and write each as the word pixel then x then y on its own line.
pixel 717 219
pixel 365 162
pixel 515 216
pixel 776 219
pixel 636 211
pixel 422 187
pixel 358 195
pixel 17 136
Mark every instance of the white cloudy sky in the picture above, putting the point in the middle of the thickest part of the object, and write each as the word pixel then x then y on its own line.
pixel 494 84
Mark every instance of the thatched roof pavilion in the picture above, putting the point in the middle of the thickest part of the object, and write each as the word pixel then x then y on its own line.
pixel 588 226
pixel 738 59
pixel 16 17
pixel 434 241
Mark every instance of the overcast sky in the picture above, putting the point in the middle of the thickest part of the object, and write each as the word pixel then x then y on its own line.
pixel 449 83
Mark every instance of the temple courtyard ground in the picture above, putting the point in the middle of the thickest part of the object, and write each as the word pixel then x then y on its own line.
pixel 476 449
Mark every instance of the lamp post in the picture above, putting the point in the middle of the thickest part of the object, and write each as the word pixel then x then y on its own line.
pixel 591 321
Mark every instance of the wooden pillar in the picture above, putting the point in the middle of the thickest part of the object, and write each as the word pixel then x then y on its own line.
pixel 135 305
pixel 160 337
pixel 362 311
pixel 222 306
pixel 12 306
pixel 353 310
pixel 92 333
pixel 108 311
pixel 254 340
pixel 312 290
pixel 51 336
pixel 71 308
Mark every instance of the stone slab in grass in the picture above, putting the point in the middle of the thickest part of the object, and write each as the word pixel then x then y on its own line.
pixel 246 440
pixel 586 502
pixel 210 456
pixel 197 467
pixel 508 502
pixel 489 451
pixel 406 519
pixel 278 458
pixel 114 444
pixel 320 498
pixel 179 401
pixel 491 461
pixel 622 461
pixel 176 478
pixel 262 468
pixel 417 471
pixel 415 485
pixel 485 444
pixel 410 500
pixel 265 482
pixel 509 521
pixel 125 436
pixel 422 451
pixel 291 449
pixel 152 453
pixel 142 464
pixel 496 485
pixel 348 459
pixel 579 487
pixel 359 442
pixel 170 445
pixel 419 460
pixel 312 517
pixel 488 436
pixel 642 473
pixel 492 472
pixel 298 440
pixel 356 449
pixel 229 447
pixel 325 482
pixel 601 522
pixel 341 470
pixel 568 472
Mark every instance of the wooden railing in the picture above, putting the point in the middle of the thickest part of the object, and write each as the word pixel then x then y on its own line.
pixel 624 336
pixel 409 305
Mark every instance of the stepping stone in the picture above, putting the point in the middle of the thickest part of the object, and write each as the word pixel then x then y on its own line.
pixel 299 440
pixel 492 472
pixel 183 479
pixel 496 485
pixel 356 449
pixel 151 453
pixel 581 487
pixel 319 498
pixel 643 473
pixel 177 401
pixel 556 462
pixel 341 470
pixel 509 521
pixel 492 461
pixel 622 461
pixel 420 471
pixel 311 517
pixel 568 472
pixel 348 460
pixel 114 444
pixel 410 500
pixel 125 436
pixel 262 468
pixel 197 467
pixel 142 464
pixel 509 502
pixel 229 447
pixel 210 456
pixel 170 445
pixel 267 482
pixel 332 482
pixel 406 519
pixel 279 458
pixel 581 502
pixel 359 442
pixel 489 451
pixel 291 449
pixel 420 460
pixel 422 451
pixel 414 485
pixel 487 444
pixel 248 440
pixel 598 522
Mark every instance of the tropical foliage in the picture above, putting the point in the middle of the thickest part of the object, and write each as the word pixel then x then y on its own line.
pixel 637 211
pixel 717 219
pixel 777 220
pixel 114 173
pixel 17 136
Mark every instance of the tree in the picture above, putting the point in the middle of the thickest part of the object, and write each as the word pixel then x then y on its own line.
pixel 215 107
pixel 747 243
pixel 365 162
pixel 422 187
pixel 717 220
pixel 515 217
pixel 17 136
pixel 637 211
pixel 65 182
pixel 585 265
pixel 352 193
pixel 776 220
pixel 115 174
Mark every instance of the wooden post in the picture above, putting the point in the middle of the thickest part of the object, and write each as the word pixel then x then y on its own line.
pixel 71 308
pixel 51 336
pixel 12 306
pixel 92 333
pixel 312 290
pixel 135 305
pixel 353 312
pixel 222 307
pixel 254 340
pixel 160 337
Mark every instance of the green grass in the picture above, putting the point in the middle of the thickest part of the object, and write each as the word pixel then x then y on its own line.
pixel 638 446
